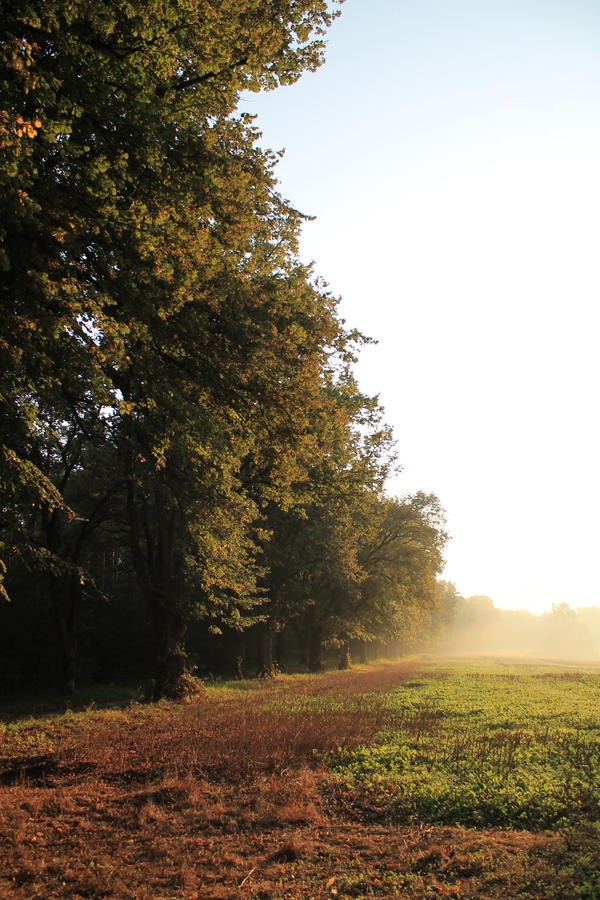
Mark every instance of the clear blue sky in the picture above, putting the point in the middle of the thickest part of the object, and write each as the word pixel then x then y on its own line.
pixel 451 154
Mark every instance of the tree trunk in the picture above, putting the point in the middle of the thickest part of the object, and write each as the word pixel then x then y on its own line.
pixel 171 658
pixel 301 636
pixel 266 667
pixel 156 570
pixel 315 649
pixel 66 625
pixel 345 657
pixel 64 604
pixel 239 653
pixel 280 649
pixel 360 648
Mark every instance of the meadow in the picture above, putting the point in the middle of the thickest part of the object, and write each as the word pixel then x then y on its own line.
pixel 413 779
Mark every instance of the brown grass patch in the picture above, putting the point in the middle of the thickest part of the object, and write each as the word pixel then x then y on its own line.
pixel 194 840
pixel 230 738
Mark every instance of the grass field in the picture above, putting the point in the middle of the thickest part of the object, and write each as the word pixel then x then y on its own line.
pixel 413 779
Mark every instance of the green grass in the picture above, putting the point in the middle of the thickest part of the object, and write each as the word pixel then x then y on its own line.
pixel 484 745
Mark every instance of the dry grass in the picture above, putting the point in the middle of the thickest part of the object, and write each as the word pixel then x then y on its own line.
pixel 224 798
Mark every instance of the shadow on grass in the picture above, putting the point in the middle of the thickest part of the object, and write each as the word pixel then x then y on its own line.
pixel 31 704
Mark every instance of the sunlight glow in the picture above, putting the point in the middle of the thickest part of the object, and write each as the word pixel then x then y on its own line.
pixel 456 189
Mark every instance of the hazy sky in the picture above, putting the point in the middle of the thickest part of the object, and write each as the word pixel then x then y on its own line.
pixel 450 151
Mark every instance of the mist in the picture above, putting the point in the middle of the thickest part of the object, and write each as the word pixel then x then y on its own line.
pixel 480 628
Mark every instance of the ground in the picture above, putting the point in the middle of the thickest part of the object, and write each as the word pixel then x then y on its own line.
pixel 234 796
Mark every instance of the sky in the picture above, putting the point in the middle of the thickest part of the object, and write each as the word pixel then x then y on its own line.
pixel 450 152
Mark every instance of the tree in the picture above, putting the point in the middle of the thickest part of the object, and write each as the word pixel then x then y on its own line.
pixel 312 557
pixel 125 181
pixel 448 602
pixel 149 263
pixel 402 560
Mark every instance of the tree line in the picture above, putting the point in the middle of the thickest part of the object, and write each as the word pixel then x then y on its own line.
pixel 561 633
pixel 186 459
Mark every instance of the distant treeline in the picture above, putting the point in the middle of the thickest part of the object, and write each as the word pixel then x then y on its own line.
pixel 188 470
pixel 563 633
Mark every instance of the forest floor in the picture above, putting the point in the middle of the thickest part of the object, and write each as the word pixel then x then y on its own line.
pixel 390 780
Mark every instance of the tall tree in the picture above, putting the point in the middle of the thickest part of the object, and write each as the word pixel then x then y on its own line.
pixel 148 264
pixel 125 180
pixel 402 559
pixel 312 558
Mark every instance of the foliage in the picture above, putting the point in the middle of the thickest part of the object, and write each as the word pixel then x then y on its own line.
pixel 402 557
pixel 148 266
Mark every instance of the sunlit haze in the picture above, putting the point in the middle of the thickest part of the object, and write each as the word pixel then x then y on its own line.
pixel 449 152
